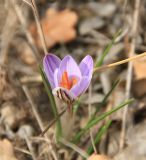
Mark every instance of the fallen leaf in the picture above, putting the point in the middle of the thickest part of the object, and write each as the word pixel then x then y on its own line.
pixel 139 83
pixel 139 68
pixel 139 88
pixel 6 150
pixel 58 26
pixel 98 157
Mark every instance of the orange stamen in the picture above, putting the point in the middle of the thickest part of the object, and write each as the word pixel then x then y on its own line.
pixel 66 82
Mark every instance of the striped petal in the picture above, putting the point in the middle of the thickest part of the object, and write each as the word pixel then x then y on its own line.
pixel 81 86
pixel 86 66
pixel 69 65
pixel 51 63
pixel 64 95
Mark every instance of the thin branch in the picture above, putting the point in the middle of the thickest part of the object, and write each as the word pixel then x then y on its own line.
pixel 129 72
pixel 29 145
pixel 28 95
pixel 52 122
pixel 74 147
pixel 99 69
pixel 39 26
pixel 28 35
pixel 22 150
pixel 90 114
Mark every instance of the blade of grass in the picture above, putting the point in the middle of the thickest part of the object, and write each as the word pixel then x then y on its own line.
pixel 107 49
pixel 76 106
pixel 53 104
pixel 103 101
pixel 98 119
pixel 106 97
pixel 98 136
pixel 78 102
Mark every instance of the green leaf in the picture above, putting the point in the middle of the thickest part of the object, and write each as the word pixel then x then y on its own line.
pixel 103 101
pixel 98 136
pixel 107 49
pixel 98 119
pixel 76 106
pixel 106 96
pixel 52 101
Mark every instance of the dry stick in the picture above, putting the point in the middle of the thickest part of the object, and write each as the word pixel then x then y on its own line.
pixel 39 26
pixel 90 114
pixel 29 145
pixel 42 38
pixel 99 69
pixel 129 72
pixel 52 122
pixel 22 150
pixel 28 95
pixel 74 147
pixel 28 35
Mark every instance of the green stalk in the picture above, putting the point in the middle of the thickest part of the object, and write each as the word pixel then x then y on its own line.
pixel 53 104
pixel 98 136
pixel 98 119
pixel 107 49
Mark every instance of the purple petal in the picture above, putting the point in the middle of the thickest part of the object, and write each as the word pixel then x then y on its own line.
pixel 81 86
pixel 86 66
pixel 69 65
pixel 51 63
pixel 64 94
pixel 56 82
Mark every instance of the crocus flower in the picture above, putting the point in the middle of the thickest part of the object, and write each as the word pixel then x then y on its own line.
pixel 68 79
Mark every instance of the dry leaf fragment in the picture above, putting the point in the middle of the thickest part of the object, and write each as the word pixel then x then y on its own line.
pixel 139 84
pixel 6 150
pixel 98 157
pixel 58 26
pixel 140 68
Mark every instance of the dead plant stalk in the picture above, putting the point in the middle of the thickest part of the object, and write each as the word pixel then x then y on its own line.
pixel 129 72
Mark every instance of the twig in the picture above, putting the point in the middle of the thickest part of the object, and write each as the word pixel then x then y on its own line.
pixel 39 26
pixel 74 147
pixel 22 150
pixel 28 35
pixel 119 62
pixel 90 114
pixel 129 72
pixel 29 145
pixel 27 93
pixel 52 122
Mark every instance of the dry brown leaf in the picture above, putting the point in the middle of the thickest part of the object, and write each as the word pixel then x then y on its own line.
pixel 98 157
pixel 6 150
pixel 58 26
pixel 139 88
pixel 140 68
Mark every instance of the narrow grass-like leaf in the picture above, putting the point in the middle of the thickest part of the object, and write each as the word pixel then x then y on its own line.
pixel 98 119
pixel 98 136
pixel 52 101
pixel 103 101
pixel 107 49
pixel 106 96
pixel 76 106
